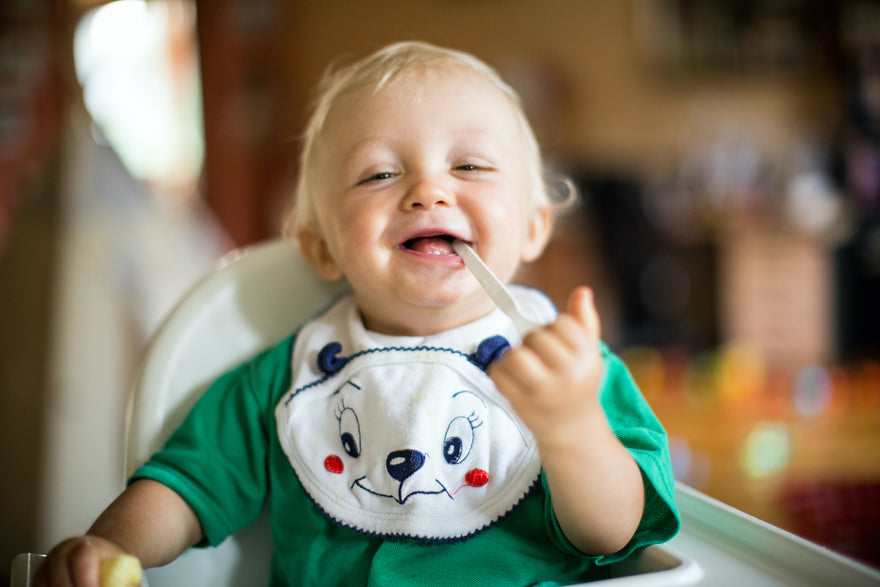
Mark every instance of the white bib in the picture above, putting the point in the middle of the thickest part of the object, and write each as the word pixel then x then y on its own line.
pixel 409 440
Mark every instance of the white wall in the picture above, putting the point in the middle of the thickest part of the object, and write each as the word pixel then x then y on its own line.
pixel 125 255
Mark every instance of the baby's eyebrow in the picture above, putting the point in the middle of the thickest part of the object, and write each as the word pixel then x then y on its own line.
pixel 367 143
pixel 368 151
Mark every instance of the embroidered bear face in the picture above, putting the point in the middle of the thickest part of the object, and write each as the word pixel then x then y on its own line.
pixel 424 444
pixel 408 442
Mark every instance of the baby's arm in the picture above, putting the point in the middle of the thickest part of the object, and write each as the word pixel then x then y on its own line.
pixel 148 520
pixel 552 382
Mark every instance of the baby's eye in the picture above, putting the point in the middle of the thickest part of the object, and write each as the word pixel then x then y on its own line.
pixel 474 166
pixel 381 175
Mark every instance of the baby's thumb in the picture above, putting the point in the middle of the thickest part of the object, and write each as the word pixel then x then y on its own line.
pixel 582 307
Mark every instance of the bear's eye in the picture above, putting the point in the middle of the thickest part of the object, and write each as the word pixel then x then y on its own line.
pixel 458 440
pixel 350 432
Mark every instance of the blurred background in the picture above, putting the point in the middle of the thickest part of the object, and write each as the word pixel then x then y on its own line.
pixel 728 158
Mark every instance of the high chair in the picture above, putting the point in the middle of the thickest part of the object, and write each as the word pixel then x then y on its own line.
pixel 261 294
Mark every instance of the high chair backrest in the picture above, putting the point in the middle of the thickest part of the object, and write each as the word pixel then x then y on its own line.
pixel 256 297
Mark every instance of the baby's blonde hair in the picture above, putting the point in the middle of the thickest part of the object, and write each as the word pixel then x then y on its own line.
pixel 377 71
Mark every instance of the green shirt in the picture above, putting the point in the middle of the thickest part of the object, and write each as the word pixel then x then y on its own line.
pixel 226 462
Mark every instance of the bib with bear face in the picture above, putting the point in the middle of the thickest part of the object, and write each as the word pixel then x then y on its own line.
pixel 411 440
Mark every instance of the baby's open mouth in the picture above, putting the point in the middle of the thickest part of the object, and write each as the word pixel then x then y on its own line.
pixel 438 244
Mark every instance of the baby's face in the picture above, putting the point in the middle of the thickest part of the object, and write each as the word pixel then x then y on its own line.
pixel 437 156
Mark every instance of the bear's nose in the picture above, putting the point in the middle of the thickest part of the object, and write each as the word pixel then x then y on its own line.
pixel 403 463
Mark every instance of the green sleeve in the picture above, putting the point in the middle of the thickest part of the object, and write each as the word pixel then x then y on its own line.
pixel 217 459
pixel 641 433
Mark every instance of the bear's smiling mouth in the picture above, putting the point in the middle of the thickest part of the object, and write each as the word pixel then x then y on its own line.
pixel 400 498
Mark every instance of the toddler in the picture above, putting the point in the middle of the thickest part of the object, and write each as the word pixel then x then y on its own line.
pixel 409 435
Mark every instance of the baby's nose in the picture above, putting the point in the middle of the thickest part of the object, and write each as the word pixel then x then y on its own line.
pixel 428 194
pixel 401 464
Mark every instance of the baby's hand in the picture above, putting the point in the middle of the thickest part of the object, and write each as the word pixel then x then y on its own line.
pixel 78 561
pixel 552 380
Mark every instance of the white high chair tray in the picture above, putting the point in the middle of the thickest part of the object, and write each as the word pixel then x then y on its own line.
pixel 734 548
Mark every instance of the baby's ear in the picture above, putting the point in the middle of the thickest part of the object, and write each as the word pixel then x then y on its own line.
pixel 314 248
pixel 538 233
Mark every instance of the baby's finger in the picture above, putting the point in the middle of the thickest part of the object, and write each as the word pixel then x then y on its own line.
pixel 561 346
pixel 583 308
pixel 84 565
pixel 571 332
pixel 520 369
pixel 57 569
pixel 504 381
pixel 54 574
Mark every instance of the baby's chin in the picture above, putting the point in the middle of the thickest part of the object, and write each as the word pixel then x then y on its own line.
pixel 422 317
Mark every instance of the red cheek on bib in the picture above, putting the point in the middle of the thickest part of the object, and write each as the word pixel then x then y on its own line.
pixel 473 478
pixel 334 464
pixel 476 477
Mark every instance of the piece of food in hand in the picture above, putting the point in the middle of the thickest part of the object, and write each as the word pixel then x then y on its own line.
pixel 122 570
